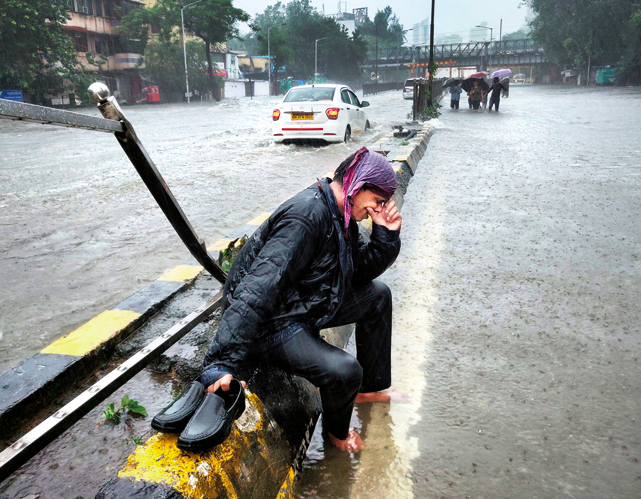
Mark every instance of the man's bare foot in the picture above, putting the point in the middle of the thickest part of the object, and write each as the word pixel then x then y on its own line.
pixel 352 443
pixel 389 395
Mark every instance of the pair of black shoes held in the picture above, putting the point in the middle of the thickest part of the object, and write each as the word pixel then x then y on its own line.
pixel 202 419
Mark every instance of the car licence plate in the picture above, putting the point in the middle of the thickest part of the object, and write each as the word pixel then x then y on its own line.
pixel 302 116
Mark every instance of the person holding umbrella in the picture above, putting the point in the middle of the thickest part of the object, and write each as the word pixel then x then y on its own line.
pixel 495 89
pixel 476 94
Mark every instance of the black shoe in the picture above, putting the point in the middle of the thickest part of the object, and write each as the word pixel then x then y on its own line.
pixel 174 417
pixel 213 420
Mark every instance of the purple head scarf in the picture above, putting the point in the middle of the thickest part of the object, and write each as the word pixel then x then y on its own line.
pixel 369 168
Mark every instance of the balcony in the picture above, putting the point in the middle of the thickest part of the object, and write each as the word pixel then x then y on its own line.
pixel 116 62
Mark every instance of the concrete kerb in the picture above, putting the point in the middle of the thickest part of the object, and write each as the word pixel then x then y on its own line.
pixel 268 444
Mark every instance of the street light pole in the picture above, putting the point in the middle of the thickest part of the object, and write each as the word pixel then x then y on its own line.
pixel 491 31
pixel 316 57
pixel 269 59
pixel 182 24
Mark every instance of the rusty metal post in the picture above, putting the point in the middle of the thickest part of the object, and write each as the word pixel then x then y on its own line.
pixel 152 178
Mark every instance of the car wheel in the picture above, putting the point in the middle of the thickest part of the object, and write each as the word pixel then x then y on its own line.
pixel 348 134
pixel 367 125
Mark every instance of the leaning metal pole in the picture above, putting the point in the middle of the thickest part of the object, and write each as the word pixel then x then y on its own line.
pixel 150 175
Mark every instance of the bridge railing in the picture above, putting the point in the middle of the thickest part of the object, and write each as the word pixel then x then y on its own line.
pixel 453 51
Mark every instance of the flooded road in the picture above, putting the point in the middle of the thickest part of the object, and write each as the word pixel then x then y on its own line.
pixel 516 323
pixel 516 320
pixel 80 232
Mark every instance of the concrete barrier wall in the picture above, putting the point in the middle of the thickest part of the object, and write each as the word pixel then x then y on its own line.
pixel 268 443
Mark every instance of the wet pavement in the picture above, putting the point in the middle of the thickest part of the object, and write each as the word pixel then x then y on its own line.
pixel 80 232
pixel 516 321
pixel 516 326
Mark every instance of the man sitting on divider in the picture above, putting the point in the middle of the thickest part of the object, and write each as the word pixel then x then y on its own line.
pixel 304 269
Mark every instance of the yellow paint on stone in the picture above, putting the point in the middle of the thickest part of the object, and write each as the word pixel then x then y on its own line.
pixel 204 475
pixel 259 219
pixel 220 245
pixel 285 491
pixel 92 334
pixel 181 273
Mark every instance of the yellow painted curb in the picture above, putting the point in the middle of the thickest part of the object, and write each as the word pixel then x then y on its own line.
pixel 181 273
pixel 92 334
pixel 285 491
pixel 224 471
pixel 220 245
pixel 259 219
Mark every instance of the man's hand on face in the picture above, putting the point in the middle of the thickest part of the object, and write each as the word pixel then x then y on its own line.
pixel 224 382
pixel 388 216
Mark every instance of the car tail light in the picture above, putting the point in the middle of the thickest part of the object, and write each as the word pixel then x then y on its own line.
pixel 332 113
pixel 276 114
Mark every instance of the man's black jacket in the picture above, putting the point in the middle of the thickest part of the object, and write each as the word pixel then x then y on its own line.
pixel 294 269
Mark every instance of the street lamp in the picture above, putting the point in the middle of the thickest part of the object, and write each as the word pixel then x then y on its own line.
pixel 316 57
pixel 269 62
pixel 182 23
pixel 487 27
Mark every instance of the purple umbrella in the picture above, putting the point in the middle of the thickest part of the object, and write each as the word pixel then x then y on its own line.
pixel 501 73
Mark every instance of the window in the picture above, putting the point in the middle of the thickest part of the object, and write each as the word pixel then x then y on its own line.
pixel 308 94
pixel 345 96
pixel 85 7
pixel 354 99
pixel 97 8
pixel 79 41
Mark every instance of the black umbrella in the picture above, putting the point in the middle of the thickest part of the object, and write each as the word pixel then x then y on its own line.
pixel 452 82
pixel 469 83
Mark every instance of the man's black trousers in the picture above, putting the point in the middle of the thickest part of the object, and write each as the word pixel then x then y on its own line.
pixel 337 374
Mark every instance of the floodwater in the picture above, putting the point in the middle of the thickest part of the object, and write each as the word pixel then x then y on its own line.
pixel 516 324
pixel 80 232
pixel 516 320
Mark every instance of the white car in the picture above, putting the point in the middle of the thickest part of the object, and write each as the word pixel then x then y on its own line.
pixel 408 89
pixel 326 112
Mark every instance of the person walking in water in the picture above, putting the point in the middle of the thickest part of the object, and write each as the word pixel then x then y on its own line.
pixel 455 96
pixel 307 268
pixel 476 95
pixel 495 90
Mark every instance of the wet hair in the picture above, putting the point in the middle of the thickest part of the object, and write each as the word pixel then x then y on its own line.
pixel 342 168
pixel 496 79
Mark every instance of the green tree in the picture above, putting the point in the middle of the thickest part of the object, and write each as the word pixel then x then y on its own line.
pixel 279 48
pixel 213 21
pixel 575 33
pixel 386 29
pixel 36 56
pixel 164 63
pixel 339 55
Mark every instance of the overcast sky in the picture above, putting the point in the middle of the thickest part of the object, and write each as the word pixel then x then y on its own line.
pixel 452 16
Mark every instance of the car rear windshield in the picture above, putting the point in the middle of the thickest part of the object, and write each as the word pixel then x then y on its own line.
pixel 310 94
pixel 409 83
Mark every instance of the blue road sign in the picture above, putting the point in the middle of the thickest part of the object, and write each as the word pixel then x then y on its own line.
pixel 14 95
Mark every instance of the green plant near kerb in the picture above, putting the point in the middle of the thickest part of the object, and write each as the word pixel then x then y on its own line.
pixel 113 415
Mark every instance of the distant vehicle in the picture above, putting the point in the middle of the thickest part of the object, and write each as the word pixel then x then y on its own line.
pixel 327 112
pixel 519 78
pixel 408 89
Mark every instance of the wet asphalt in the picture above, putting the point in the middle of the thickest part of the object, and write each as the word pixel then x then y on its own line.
pixel 516 324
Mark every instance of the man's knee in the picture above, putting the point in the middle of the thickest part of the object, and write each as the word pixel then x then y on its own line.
pixel 346 372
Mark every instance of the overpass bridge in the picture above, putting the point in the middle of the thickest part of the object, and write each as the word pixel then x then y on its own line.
pixel 510 53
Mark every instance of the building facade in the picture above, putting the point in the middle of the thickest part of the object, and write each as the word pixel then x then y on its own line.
pixel 93 29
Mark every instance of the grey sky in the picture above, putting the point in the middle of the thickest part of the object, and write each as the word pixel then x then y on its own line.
pixel 452 16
